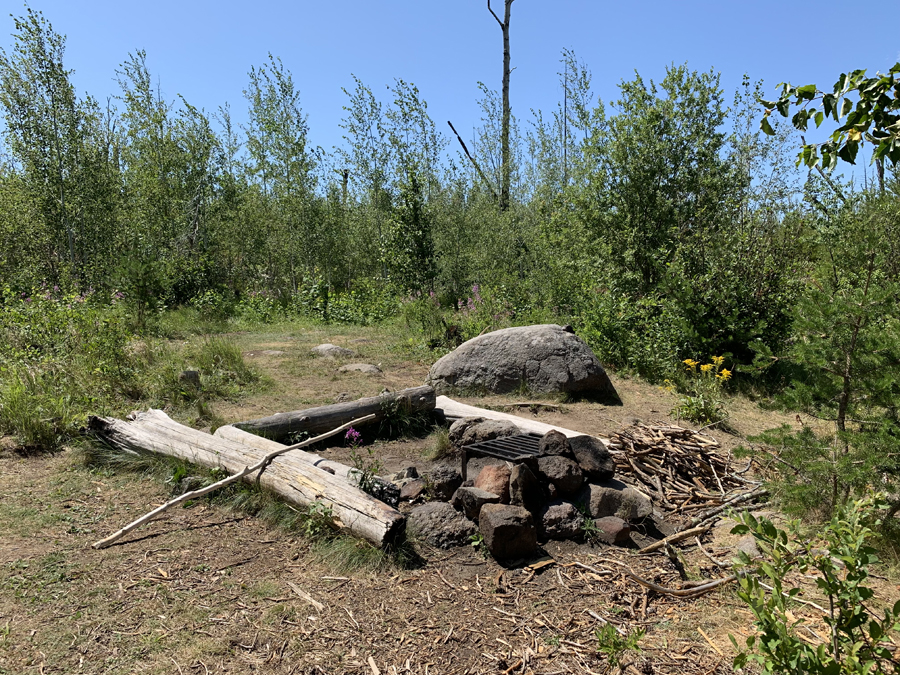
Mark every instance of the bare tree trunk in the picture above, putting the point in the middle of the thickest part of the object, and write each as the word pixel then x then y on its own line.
pixel 504 127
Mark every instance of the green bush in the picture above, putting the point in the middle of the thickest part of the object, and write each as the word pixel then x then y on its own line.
pixel 860 635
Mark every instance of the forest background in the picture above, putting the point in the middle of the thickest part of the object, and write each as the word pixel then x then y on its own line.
pixel 664 226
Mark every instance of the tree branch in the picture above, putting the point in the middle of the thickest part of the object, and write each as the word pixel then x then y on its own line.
pixel 495 16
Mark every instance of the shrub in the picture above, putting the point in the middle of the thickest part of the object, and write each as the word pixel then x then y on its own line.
pixel 701 399
pixel 858 635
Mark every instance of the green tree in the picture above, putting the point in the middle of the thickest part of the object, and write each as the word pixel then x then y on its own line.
pixel 846 347
pixel 874 118
pixel 55 142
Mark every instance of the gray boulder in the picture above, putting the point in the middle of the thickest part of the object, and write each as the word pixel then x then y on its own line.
pixel 614 498
pixel 559 520
pixel 470 430
pixel 331 351
pixel 593 457
pixel 440 525
pixel 443 482
pixel 508 531
pixel 543 358
pixel 562 473
pixel 554 443
pixel 469 500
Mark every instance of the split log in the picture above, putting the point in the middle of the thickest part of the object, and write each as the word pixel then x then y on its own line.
pixel 293 479
pixel 455 410
pixel 280 426
pixel 348 473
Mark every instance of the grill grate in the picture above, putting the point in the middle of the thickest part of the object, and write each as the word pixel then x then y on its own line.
pixel 509 448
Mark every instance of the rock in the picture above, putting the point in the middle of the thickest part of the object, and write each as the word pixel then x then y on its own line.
pixel 562 472
pixel 413 490
pixel 612 530
pixel 543 358
pixel 443 482
pixel 440 525
pixel 593 457
pixel 190 378
pixel 470 430
pixel 385 491
pixel 614 498
pixel 554 443
pixel 495 478
pixel 508 531
pixel 366 368
pixel 524 489
pixel 559 520
pixel 343 397
pixel 408 472
pixel 331 351
pixel 469 500
pixel 747 544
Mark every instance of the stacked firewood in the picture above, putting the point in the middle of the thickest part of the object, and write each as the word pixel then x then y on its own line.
pixel 679 468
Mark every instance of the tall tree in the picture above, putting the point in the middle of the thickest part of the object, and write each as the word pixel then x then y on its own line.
pixel 504 131
pixel 48 131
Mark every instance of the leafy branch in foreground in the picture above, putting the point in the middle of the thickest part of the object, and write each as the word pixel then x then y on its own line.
pixel 859 637
pixel 875 117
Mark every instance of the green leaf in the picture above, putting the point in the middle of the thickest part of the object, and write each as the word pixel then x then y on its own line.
pixel 849 151
pixel 820 117
pixel 846 106
pixel 807 92
pixel 766 127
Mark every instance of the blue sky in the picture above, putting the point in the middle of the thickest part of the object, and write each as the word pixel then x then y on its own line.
pixel 203 50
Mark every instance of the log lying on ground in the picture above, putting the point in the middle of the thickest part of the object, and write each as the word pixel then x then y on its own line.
pixel 293 479
pixel 280 426
pixel 455 410
pixel 348 473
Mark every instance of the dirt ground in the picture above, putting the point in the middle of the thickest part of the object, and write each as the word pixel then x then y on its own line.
pixel 208 590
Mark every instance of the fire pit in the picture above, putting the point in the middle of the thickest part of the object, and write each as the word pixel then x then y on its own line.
pixel 509 448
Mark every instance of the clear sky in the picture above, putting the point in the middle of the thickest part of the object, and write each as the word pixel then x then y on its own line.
pixel 203 49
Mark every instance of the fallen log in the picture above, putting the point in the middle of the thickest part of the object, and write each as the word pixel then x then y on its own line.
pixel 293 479
pixel 454 410
pixel 280 426
pixel 348 473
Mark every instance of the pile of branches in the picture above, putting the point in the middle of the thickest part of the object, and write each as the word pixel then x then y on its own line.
pixel 679 468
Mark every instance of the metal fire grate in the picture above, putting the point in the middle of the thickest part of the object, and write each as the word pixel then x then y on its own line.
pixel 510 448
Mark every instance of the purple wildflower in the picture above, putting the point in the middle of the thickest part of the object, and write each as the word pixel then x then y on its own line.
pixel 353 437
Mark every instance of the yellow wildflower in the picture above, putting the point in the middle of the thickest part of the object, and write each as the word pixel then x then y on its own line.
pixel 706 367
pixel 718 360
pixel 724 375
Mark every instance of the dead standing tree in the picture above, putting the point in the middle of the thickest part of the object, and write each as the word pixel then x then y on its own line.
pixel 504 125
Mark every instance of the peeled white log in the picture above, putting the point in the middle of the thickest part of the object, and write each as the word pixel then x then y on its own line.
pixel 348 473
pixel 293 479
pixel 454 410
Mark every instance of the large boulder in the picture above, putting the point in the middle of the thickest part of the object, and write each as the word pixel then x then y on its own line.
pixel 330 351
pixel 440 525
pixel 543 358
pixel 508 531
